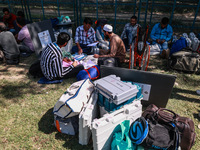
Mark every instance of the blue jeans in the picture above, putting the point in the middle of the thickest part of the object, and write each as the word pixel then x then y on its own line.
pixel 84 47
pixel 128 41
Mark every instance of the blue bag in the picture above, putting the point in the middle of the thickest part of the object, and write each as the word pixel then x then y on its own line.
pixel 178 45
pixel 92 73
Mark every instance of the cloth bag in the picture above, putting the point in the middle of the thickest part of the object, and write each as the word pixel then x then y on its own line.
pixel 121 140
pixel 72 101
pixel 92 73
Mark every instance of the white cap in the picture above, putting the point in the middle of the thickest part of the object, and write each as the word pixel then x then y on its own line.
pixel 108 28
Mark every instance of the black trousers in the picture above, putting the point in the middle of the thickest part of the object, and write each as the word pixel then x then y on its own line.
pixel 74 72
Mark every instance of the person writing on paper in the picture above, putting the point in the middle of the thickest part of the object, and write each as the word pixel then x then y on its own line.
pixel 117 48
pixel 103 43
pixel 85 35
pixel 51 60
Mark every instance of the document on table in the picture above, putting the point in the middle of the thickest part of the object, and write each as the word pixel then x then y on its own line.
pixel 93 44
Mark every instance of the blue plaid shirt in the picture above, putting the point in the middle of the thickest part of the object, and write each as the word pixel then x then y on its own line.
pixel 131 29
pixel 83 37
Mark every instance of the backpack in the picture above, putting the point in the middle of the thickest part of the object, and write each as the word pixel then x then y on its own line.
pixel 185 60
pixel 178 45
pixel 67 125
pixel 151 134
pixel 35 70
pixel 92 73
pixel 184 124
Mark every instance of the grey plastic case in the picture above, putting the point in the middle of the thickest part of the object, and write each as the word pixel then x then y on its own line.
pixel 115 90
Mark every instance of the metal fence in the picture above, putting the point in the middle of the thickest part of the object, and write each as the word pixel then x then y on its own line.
pixel 183 14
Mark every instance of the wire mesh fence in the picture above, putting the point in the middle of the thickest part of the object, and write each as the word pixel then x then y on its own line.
pixel 183 14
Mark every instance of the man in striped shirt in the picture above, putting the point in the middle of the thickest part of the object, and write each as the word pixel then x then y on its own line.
pixel 85 35
pixel 51 60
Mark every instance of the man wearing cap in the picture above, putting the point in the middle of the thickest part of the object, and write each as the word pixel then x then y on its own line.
pixel 85 35
pixel 117 48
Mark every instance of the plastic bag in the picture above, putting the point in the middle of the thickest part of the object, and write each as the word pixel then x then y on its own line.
pixel 121 140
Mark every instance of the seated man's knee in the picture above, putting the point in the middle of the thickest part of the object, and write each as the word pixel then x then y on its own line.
pixel 165 45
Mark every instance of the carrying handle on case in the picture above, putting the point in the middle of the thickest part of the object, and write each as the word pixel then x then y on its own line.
pixel 169 115
pixel 89 73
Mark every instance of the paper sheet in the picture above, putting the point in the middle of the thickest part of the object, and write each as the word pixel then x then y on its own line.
pixel 44 38
pixel 93 44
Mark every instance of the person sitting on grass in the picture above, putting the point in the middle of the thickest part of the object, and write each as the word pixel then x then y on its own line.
pixel 117 48
pixel 51 60
pixel 161 34
pixel 9 19
pixel 103 43
pixel 85 35
pixel 130 32
pixel 24 37
pixel 17 28
pixel 8 46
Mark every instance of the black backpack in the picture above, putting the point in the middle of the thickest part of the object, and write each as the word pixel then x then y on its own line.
pixel 35 70
pixel 151 134
pixel 185 60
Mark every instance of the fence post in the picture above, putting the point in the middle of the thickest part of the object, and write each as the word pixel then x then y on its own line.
pixel 30 17
pixel 80 12
pixel 172 14
pixel 139 11
pixel 135 7
pixel 58 6
pixel 115 15
pixel 42 3
pixel 74 11
pixel 25 7
pixel 147 3
pixel 195 16
pixel 77 18
pixel 9 5
pixel 97 8
pixel 151 12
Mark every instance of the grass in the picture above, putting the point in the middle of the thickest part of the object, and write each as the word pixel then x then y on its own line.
pixel 26 107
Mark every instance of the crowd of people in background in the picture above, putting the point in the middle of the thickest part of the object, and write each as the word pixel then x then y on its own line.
pixel 15 41
pixel 109 43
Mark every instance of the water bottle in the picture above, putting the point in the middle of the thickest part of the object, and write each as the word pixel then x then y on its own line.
pixel 140 45
pixel 95 50
pixel 174 38
pixel 185 35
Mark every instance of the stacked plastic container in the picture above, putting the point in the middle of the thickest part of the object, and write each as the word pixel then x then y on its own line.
pixel 121 101
pixel 103 128
pixel 114 93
